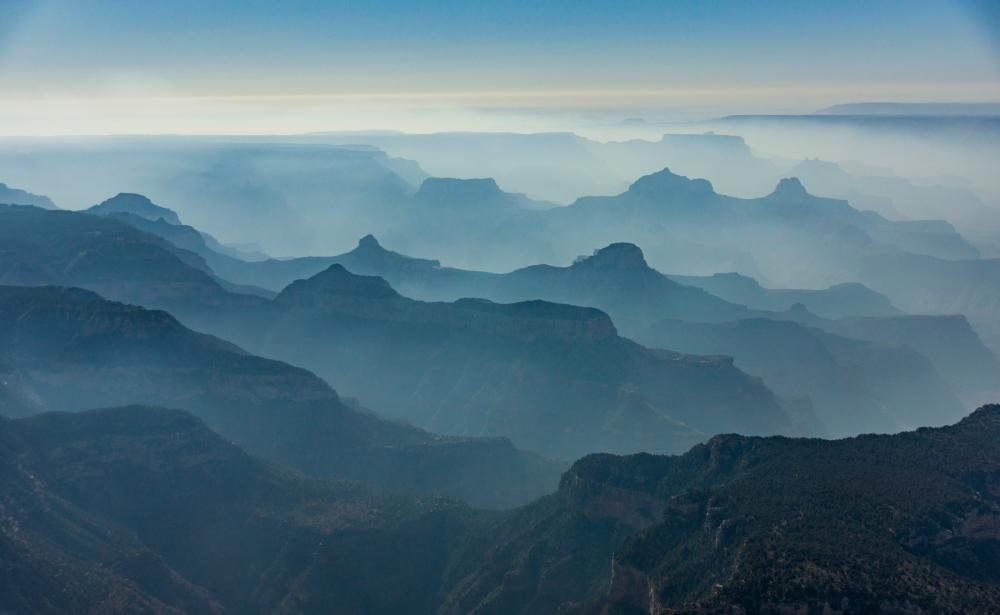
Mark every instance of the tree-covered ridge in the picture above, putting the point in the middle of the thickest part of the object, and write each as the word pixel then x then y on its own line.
pixel 904 523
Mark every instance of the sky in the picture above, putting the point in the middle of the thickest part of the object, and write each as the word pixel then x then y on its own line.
pixel 96 67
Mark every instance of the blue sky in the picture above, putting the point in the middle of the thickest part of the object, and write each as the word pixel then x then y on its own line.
pixel 737 54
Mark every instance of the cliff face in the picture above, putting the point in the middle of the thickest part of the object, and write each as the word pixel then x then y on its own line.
pixel 771 524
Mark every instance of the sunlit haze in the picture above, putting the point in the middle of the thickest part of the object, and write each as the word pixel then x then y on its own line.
pixel 267 67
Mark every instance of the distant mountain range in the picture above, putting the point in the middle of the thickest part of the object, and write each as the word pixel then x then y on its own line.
pixel 143 509
pixel 855 386
pixel 789 238
pixel 107 256
pixel 898 198
pixel 839 301
pixel 554 378
pixel 560 167
pixel 918 109
pixel 914 380
pixel 16 196
pixel 192 427
pixel 68 349
pixel 230 187
pixel 902 387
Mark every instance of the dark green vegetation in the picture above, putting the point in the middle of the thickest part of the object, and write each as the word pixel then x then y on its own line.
pixel 144 510
pixel 67 349
pixel 908 523
pixel 140 509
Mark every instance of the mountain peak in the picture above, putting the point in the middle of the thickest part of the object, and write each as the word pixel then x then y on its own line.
pixel 371 258
pixel 616 256
pixel 666 182
pixel 790 187
pixel 136 204
pixel 369 241
pixel 336 281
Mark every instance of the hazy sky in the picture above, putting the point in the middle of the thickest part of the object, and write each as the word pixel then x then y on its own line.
pixel 249 66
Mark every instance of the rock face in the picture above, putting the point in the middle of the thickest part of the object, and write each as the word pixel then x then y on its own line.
pixel 759 525
pixel 67 349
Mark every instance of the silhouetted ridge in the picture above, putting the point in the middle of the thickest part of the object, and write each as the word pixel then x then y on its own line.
pixel 335 280
pixel 446 189
pixel 615 256
pixel 137 204
pixel 790 187
pixel 538 320
pixel 666 183
pixel 16 196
